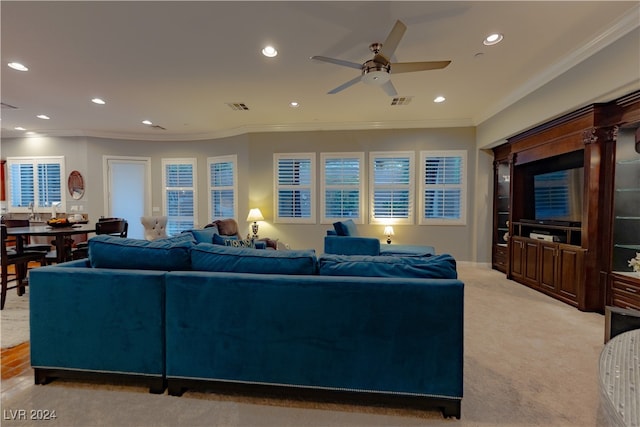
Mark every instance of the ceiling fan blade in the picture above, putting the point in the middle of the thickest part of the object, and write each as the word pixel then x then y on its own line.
pixel 393 40
pixel 338 62
pixel 408 67
pixel 345 85
pixel 389 89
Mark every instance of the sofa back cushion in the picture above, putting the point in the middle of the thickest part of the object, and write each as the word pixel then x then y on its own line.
pixel 165 254
pixel 433 267
pixel 209 257
pixel 347 245
pixel 346 228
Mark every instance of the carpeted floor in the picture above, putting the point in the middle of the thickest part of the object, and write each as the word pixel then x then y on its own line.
pixel 529 361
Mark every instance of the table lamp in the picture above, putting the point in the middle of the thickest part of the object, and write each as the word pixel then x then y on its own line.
pixel 388 231
pixel 255 215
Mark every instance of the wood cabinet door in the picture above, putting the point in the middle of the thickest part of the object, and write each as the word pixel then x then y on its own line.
pixel 570 271
pixel 548 266
pixel 531 255
pixel 516 266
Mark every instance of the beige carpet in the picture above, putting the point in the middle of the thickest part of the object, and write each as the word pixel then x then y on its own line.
pixel 529 361
pixel 14 319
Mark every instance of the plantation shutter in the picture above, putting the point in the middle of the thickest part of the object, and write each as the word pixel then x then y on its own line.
pixel 392 188
pixel 342 195
pixel 179 193
pixel 222 192
pixel 294 191
pixel 36 182
pixel 443 187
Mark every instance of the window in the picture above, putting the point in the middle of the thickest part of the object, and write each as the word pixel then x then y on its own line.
pixel 223 189
pixel 391 187
pixel 35 183
pixel 295 188
pixel 443 187
pixel 179 198
pixel 342 186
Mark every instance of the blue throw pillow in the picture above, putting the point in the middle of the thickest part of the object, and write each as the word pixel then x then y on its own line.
pixel 166 254
pixel 221 240
pixel 208 257
pixel 346 228
pixel 203 235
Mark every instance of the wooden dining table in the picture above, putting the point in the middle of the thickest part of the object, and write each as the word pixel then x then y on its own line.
pixel 59 233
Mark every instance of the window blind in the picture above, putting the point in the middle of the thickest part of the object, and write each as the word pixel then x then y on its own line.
pixel 179 177
pixel 222 187
pixel 342 182
pixel 294 188
pixel 443 187
pixel 392 188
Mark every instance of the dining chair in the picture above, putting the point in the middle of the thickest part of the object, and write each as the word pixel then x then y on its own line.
pixel 155 227
pixel 112 226
pixel 20 261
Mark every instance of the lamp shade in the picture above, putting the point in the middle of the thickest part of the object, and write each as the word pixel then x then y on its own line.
pixel 388 230
pixel 255 215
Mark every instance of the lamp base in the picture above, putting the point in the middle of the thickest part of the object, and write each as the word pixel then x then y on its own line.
pixel 389 240
pixel 254 229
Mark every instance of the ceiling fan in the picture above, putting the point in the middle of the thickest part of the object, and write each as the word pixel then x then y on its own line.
pixel 377 71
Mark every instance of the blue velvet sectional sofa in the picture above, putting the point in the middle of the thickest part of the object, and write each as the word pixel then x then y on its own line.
pixel 179 313
pixel 345 239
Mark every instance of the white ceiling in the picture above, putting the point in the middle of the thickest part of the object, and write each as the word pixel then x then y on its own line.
pixel 178 64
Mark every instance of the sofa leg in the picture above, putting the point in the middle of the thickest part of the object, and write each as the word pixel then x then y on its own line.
pixel 452 409
pixel 41 376
pixel 157 386
pixel 176 388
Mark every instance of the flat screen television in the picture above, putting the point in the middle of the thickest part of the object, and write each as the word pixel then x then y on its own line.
pixel 558 196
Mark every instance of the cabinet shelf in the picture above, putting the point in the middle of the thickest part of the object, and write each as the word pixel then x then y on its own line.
pixel 632 247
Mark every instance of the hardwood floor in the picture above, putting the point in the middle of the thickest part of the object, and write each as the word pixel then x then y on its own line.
pixel 15 360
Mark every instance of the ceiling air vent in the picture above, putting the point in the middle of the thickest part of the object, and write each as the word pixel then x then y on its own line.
pixel 238 106
pixel 6 106
pixel 401 100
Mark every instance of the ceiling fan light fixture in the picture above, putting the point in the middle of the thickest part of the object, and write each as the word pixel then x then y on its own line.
pixel 493 39
pixel 294 104
pixel 269 51
pixel 17 66
pixel 374 73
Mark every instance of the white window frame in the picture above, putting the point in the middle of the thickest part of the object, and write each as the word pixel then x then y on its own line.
pixel 180 161
pixel 233 159
pixel 35 161
pixel 360 187
pixel 410 186
pixel 462 220
pixel 311 157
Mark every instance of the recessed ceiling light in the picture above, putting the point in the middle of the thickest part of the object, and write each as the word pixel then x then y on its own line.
pixel 439 99
pixel 43 116
pixel 30 133
pixel 492 39
pixel 98 101
pixel 294 104
pixel 147 122
pixel 269 51
pixel 17 66
pixel 19 128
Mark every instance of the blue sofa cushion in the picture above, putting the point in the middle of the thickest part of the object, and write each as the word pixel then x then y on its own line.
pixel 343 245
pixel 203 235
pixel 164 254
pixel 407 250
pixel 433 267
pixel 346 228
pixel 208 257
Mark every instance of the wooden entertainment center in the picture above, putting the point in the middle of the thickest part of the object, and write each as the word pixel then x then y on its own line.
pixel 580 258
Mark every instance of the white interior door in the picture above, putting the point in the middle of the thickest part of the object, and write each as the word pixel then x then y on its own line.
pixel 128 191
